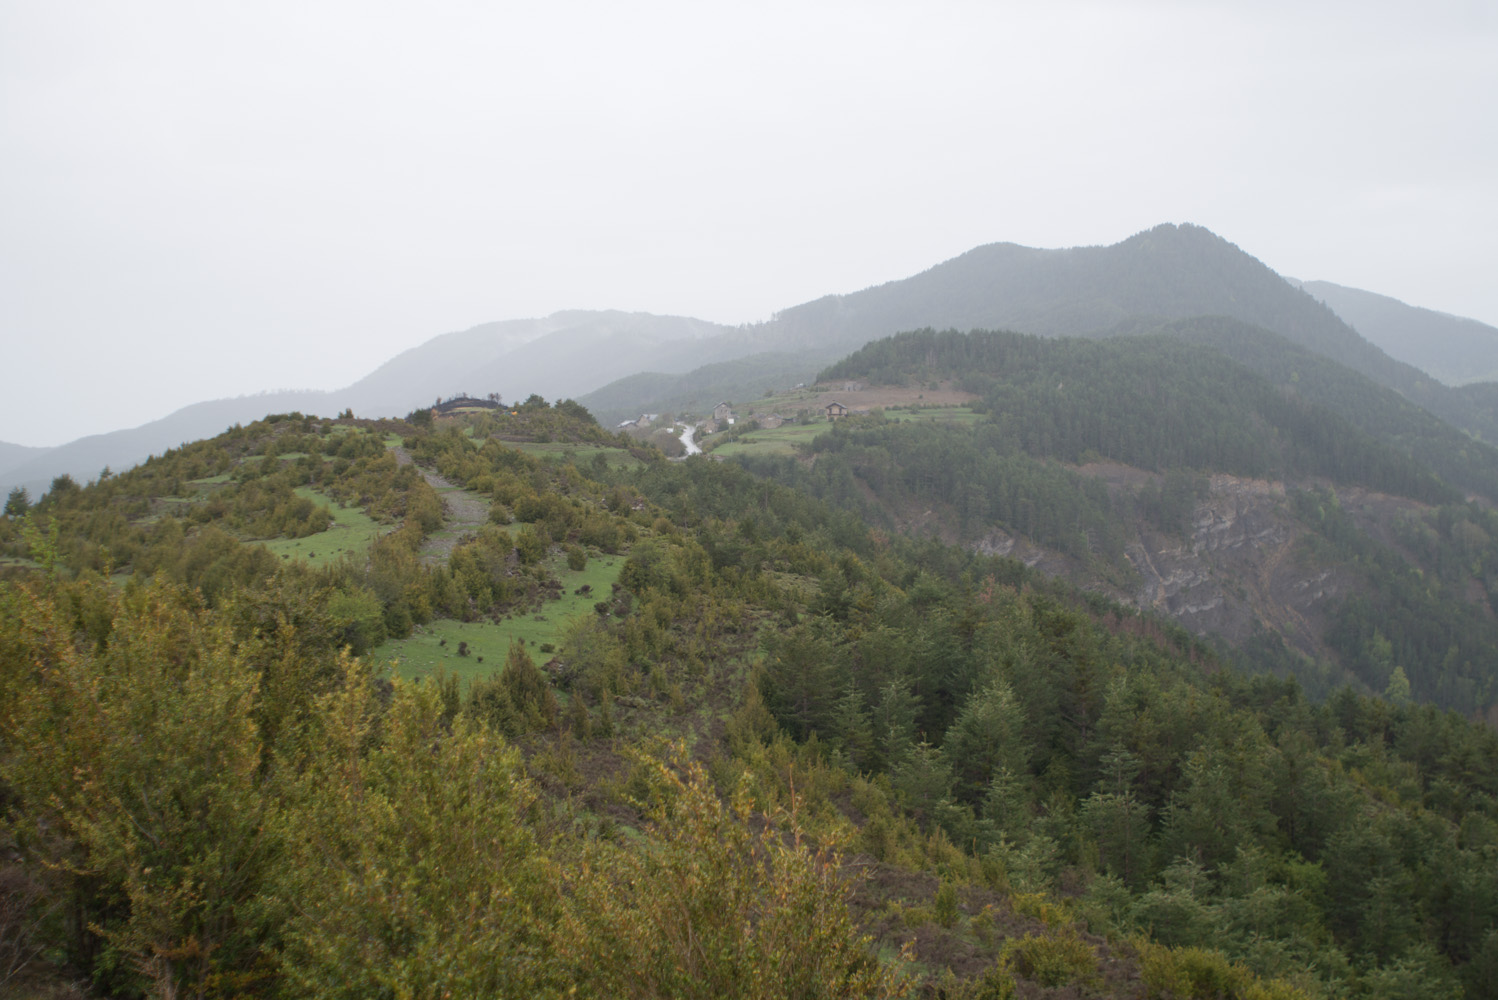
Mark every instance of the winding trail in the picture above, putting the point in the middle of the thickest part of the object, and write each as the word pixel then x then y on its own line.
pixel 463 513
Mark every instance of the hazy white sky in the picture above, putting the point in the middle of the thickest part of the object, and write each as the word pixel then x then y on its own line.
pixel 208 199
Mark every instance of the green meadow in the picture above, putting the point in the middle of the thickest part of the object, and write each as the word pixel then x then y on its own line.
pixel 579 454
pixel 788 438
pixel 351 533
pixel 435 645
pixel 783 440
pixel 935 414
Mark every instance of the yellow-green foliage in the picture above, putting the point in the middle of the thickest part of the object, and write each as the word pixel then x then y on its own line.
pixel 983 925
pixel 916 917
pixel 1034 904
pixel 996 983
pixel 133 736
pixel 670 920
pixel 945 905
pixel 414 873
pixel 1203 974
pixel 386 843
pixel 1053 959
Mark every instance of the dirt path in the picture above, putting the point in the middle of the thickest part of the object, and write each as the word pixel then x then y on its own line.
pixel 463 512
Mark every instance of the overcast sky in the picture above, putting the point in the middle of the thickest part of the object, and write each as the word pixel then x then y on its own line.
pixel 209 199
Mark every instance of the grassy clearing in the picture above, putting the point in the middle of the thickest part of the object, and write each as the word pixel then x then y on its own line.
pixel 580 455
pixel 786 439
pixel 352 532
pixel 783 440
pixel 218 480
pixel 936 414
pixel 436 644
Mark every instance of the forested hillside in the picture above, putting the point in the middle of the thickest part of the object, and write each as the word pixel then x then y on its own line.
pixel 1160 471
pixel 781 754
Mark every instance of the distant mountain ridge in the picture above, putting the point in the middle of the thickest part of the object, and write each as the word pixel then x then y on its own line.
pixel 1162 275
pixel 12 455
pixel 1165 274
pixel 1456 350
pixel 561 355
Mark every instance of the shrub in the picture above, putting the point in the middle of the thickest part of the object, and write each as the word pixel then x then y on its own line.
pixel 945 906
pixel 1052 960
pixel 670 921
pixel 1203 974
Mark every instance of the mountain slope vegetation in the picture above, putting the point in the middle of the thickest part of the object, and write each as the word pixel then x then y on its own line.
pixel 911 769
pixel 1172 477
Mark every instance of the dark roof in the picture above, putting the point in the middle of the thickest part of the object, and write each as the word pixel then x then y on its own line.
pixel 465 402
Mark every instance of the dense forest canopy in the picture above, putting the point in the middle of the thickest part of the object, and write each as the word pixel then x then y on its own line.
pixel 907 768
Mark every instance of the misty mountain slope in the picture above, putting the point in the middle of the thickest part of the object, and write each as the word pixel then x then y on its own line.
pixel 565 354
pixel 1169 272
pixel 12 455
pixel 573 362
pixel 1374 409
pixel 562 355
pixel 1453 349
pixel 697 392
pixel 85 458
pixel 1163 274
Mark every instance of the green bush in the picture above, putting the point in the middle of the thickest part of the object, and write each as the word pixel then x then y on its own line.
pixel 945 906
pixel 1203 974
pixel 1052 960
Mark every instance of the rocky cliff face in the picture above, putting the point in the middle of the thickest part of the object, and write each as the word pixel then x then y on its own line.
pixel 1237 568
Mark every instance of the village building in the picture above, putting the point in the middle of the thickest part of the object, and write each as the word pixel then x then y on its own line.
pixel 465 402
pixel 723 413
pixel 836 410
